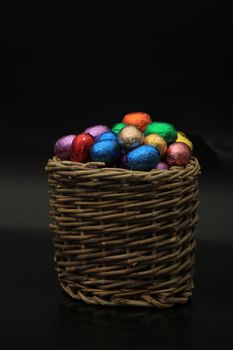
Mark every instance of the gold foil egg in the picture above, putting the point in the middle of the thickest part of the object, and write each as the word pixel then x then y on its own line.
pixel 130 137
pixel 156 141
pixel 181 137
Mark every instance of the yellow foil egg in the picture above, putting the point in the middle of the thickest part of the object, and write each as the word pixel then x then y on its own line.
pixel 183 138
pixel 156 141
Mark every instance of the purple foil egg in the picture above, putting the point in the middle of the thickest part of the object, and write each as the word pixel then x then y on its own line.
pixel 162 166
pixel 62 147
pixel 97 130
pixel 123 159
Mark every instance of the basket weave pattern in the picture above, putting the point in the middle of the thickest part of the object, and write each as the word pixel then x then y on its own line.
pixel 124 237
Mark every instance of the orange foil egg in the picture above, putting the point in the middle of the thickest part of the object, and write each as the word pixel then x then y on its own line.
pixel 138 119
pixel 80 148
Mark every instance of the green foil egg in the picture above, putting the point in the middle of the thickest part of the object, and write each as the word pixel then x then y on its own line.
pixel 118 127
pixel 166 130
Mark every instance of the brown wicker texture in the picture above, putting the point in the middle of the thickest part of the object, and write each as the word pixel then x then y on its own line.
pixel 124 237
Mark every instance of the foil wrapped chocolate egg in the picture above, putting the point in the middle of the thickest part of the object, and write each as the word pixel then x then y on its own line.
pixel 123 159
pixel 117 127
pixel 138 119
pixel 130 137
pixel 97 130
pixel 109 135
pixel 165 130
pixel 156 141
pixel 178 153
pixel 145 157
pixel 181 137
pixel 80 148
pixel 107 151
pixel 162 166
pixel 62 147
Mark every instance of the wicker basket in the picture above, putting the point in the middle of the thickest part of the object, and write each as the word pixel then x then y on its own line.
pixel 124 237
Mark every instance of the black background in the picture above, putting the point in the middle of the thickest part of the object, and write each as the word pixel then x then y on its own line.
pixel 64 69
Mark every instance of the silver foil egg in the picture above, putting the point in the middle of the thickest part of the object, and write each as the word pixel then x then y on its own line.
pixel 130 137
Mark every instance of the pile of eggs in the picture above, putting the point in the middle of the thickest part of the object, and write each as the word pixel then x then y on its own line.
pixel 136 143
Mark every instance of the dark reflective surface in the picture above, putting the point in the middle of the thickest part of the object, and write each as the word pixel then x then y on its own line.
pixel 123 328
pixel 65 70
pixel 35 314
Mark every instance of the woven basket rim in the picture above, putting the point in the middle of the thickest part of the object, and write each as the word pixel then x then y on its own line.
pixel 67 167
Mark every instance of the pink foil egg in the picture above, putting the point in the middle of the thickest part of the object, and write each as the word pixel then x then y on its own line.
pixel 178 153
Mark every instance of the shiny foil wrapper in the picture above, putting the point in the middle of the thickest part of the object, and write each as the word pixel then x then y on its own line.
pixel 181 137
pixel 178 153
pixel 107 151
pixel 109 135
pixel 162 166
pixel 156 141
pixel 62 148
pixel 130 137
pixel 97 130
pixel 138 119
pixel 123 159
pixel 145 157
pixel 80 149
pixel 118 127
pixel 166 130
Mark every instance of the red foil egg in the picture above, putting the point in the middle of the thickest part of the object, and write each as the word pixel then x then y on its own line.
pixel 80 148
pixel 178 153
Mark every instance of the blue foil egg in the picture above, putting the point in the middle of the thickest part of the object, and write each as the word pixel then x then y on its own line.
pixel 107 136
pixel 107 151
pixel 145 157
